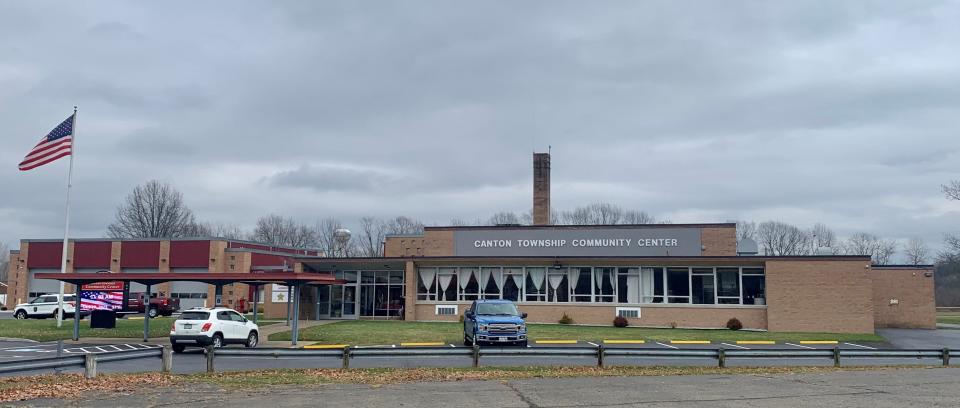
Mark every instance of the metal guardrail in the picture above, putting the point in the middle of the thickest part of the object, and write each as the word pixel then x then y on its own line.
pixel 599 353
pixel 89 360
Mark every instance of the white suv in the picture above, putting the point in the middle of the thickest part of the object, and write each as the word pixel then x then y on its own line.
pixel 216 326
pixel 46 306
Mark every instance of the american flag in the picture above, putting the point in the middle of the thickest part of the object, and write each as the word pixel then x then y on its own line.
pixel 56 144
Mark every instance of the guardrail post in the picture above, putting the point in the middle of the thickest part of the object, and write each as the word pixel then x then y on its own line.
pixel 946 356
pixel 166 359
pixel 346 357
pixel 836 356
pixel 210 353
pixel 90 365
pixel 600 355
pixel 476 356
pixel 722 357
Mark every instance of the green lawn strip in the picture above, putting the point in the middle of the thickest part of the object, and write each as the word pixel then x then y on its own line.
pixel 366 332
pixel 950 319
pixel 46 329
pixel 378 376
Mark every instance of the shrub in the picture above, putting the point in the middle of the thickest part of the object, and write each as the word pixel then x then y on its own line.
pixel 673 325
pixel 5 308
pixel 461 318
pixel 565 319
pixel 734 324
pixel 620 321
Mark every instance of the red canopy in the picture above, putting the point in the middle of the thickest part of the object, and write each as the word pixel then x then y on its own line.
pixel 286 278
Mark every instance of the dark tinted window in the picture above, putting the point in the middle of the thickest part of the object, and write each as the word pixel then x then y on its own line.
pixel 194 316
pixel 223 316
pixel 497 309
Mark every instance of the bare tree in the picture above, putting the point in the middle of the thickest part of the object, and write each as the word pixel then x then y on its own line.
pixel 879 250
pixel 326 231
pixel 916 251
pixel 4 261
pixel 283 231
pixel 504 217
pixel 228 231
pixel 746 229
pixel 372 234
pixel 153 210
pixel 779 238
pixel 637 217
pixel 951 189
pixel 404 226
pixel 822 237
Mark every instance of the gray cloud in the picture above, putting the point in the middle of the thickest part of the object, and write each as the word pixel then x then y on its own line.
pixel 803 111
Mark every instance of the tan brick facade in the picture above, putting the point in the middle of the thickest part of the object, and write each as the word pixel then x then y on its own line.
pixel 719 241
pixel 904 297
pixel 820 296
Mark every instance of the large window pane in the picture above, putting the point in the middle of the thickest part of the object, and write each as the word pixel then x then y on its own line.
pixel 491 279
pixel 426 284
pixel 603 284
pixel 512 283
pixel 628 285
pixel 678 285
pixel 536 286
pixel 469 285
pixel 655 275
pixel 703 289
pixel 557 288
pixel 728 282
pixel 753 290
pixel 581 282
pixel 447 284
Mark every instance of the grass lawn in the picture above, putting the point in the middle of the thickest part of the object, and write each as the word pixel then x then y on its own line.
pixel 951 318
pixel 46 329
pixel 368 332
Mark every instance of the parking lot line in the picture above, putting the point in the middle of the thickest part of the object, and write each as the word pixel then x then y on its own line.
pixel 797 345
pixel 423 344
pixel 733 345
pixel 666 345
pixel 818 342
pixel 689 341
pixel 593 344
pixel 326 346
pixel 756 342
pixel 861 346
pixel 625 341
pixel 556 341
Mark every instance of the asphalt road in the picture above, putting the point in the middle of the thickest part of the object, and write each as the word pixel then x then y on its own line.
pixel 873 389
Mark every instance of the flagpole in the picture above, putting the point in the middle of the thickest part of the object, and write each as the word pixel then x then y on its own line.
pixel 66 228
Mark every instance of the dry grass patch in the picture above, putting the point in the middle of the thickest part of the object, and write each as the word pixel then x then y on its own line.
pixel 70 386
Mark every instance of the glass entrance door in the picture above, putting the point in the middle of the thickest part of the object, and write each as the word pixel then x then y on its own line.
pixel 342 302
pixel 323 301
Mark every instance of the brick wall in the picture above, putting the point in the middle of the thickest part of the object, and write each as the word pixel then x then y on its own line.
pixel 719 241
pixel 820 296
pixel 650 316
pixel 904 297
pixel 431 243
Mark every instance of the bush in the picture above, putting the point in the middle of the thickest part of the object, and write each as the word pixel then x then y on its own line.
pixel 565 319
pixel 461 318
pixel 673 325
pixel 620 321
pixel 734 324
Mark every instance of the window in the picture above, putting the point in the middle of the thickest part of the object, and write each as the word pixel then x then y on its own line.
pixel 426 282
pixel 629 312
pixel 628 285
pixel 603 284
pixel 754 285
pixel 728 286
pixel 194 316
pixel 512 283
pixel 581 283
pixel 468 278
pixel 446 310
pixel 703 286
pixel 536 288
pixel 557 288
pixel 382 293
pixel 447 284
pixel 491 279
pixel 658 277
pixel 678 285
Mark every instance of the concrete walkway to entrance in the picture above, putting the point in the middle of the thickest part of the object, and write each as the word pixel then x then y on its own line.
pixel 266 331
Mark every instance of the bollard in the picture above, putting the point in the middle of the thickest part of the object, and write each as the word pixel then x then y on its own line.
pixel 346 357
pixel 90 365
pixel 210 354
pixel 59 354
pixel 722 357
pixel 946 357
pixel 476 356
pixel 836 356
pixel 600 356
pixel 166 358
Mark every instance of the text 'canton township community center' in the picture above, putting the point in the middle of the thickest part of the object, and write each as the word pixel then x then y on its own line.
pixel 680 275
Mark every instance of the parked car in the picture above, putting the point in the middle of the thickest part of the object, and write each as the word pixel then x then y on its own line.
pixel 45 306
pixel 494 322
pixel 216 326
pixel 160 305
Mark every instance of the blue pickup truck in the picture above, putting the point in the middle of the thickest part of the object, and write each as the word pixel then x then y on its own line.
pixel 494 322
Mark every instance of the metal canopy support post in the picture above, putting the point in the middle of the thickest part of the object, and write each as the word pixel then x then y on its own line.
pixel 256 298
pixel 316 303
pixel 289 304
pixel 296 314
pixel 146 315
pixel 76 314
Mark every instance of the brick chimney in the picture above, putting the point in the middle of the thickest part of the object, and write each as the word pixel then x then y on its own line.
pixel 541 189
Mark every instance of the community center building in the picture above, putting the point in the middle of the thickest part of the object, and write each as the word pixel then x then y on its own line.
pixel 657 275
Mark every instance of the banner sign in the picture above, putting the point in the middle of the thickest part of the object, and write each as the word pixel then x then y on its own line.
pixel 588 241
pixel 278 293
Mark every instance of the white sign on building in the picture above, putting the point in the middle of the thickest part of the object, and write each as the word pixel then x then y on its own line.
pixel 278 293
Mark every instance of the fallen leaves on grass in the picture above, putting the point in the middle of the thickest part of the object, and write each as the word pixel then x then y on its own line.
pixel 69 386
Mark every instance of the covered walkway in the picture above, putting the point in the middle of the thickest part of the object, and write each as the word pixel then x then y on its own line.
pixel 294 282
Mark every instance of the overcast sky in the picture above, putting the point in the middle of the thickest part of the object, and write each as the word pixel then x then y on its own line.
pixel 846 113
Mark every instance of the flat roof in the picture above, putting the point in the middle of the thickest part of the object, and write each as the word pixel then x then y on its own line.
pixel 569 226
pixel 211 278
pixel 239 241
pixel 354 260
